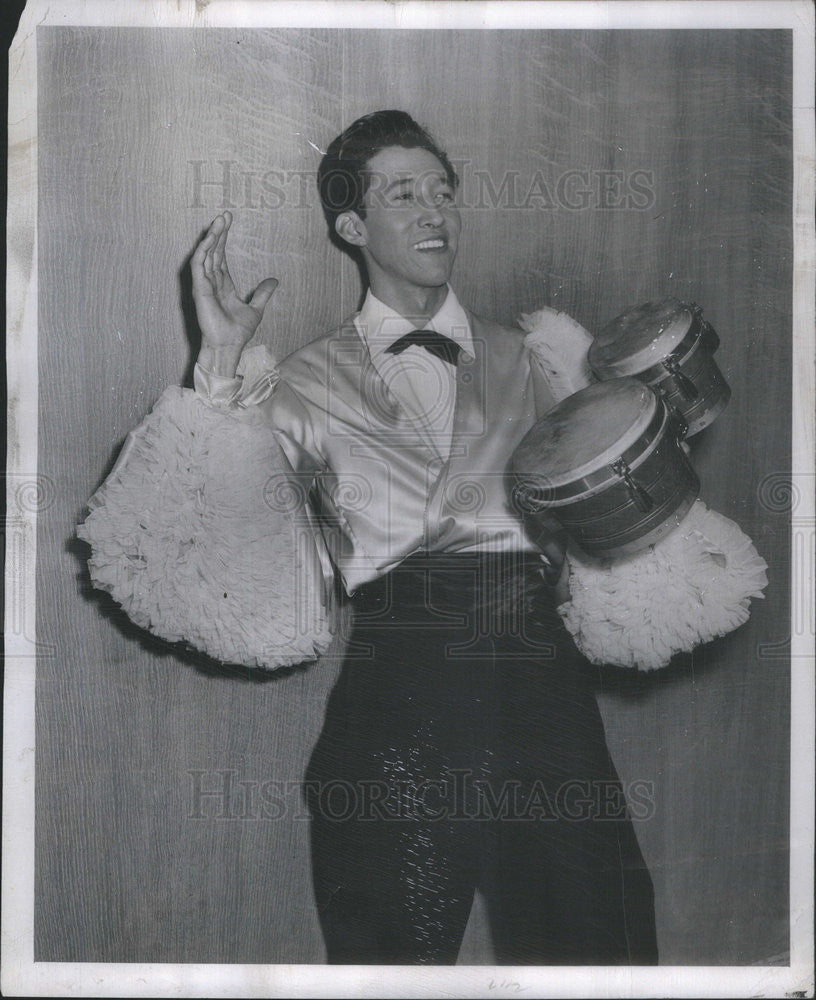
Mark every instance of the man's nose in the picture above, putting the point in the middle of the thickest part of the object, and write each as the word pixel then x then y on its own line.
pixel 431 215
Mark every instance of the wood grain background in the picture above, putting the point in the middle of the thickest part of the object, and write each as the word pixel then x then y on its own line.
pixel 133 123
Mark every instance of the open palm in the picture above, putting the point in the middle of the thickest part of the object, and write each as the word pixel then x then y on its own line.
pixel 226 320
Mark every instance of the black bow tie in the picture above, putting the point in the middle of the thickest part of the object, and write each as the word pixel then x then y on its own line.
pixel 439 345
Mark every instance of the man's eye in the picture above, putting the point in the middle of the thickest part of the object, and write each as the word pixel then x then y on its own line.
pixel 405 196
pixel 444 196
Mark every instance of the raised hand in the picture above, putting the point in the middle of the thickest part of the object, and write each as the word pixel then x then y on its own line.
pixel 227 322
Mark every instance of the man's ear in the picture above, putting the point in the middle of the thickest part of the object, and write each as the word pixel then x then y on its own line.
pixel 351 228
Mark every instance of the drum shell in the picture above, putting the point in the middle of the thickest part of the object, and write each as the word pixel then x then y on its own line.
pixel 611 524
pixel 713 392
pixel 606 520
pixel 686 346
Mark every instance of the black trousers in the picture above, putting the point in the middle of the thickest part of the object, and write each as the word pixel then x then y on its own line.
pixel 463 747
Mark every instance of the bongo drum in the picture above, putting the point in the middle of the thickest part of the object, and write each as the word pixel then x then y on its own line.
pixel 606 462
pixel 668 345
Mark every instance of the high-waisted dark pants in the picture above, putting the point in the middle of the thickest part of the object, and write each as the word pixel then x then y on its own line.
pixel 463 747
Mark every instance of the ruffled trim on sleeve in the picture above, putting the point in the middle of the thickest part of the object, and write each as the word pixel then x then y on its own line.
pixel 558 347
pixel 694 585
pixel 201 534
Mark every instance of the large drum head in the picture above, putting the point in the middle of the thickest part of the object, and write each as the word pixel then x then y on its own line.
pixel 584 432
pixel 639 338
pixel 607 465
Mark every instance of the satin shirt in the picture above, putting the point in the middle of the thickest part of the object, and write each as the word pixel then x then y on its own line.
pixel 382 482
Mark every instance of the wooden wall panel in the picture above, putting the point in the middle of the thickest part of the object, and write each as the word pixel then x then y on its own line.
pixel 131 121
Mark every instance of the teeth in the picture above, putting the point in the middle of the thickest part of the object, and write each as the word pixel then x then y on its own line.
pixel 429 244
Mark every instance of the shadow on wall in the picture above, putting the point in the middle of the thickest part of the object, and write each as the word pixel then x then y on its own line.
pixel 162 648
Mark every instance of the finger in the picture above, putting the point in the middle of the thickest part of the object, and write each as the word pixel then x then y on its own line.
pixel 207 263
pixel 202 246
pixel 201 262
pixel 221 243
pixel 198 265
pixel 263 293
pixel 224 279
pixel 217 228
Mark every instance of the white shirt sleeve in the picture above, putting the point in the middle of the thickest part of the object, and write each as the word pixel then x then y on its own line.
pixel 255 380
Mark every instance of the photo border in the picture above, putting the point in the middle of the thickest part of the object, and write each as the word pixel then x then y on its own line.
pixel 21 976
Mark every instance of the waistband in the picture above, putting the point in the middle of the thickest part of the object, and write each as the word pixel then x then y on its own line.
pixel 457 580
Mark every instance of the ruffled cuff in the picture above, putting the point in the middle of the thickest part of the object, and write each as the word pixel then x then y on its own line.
pixel 558 347
pixel 694 585
pixel 201 533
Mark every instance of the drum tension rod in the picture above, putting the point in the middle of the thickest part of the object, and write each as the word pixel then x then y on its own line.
pixel 641 498
pixel 687 389
pixel 680 423
pixel 522 494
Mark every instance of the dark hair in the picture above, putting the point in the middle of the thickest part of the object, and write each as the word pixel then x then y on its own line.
pixel 343 177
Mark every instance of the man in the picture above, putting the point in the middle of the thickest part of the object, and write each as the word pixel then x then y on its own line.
pixel 462 745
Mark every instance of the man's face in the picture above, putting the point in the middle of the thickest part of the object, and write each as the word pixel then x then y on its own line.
pixel 410 232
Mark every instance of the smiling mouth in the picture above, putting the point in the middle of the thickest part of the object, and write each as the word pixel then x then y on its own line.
pixel 436 243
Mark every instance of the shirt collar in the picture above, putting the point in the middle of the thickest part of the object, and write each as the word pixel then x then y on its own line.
pixel 379 325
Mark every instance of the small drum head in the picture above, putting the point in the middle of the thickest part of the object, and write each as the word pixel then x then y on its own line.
pixel 585 432
pixel 639 338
